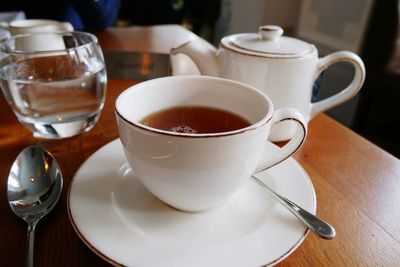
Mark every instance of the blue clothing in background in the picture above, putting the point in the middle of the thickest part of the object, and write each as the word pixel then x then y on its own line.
pixel 82 14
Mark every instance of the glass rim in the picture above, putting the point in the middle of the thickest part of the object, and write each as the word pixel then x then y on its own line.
pixel 93 40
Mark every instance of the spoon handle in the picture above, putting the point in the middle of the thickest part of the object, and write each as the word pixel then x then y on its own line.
pixel 30 243
pixel 315 224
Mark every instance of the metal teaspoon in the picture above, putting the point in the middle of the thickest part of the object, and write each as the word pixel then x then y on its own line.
pixel 33 188
pixel 312 222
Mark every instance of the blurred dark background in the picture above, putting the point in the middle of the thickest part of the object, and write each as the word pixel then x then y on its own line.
pixel 199 16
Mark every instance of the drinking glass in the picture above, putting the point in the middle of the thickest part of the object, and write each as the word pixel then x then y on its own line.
pixel 54 82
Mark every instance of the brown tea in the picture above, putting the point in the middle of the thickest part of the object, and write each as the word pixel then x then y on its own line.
pixel 195 119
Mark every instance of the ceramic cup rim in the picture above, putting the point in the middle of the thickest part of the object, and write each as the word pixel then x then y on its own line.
pixel 92 40
pixel 31 23
pixel 255 125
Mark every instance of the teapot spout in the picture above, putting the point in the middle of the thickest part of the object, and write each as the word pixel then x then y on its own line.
pixel 202 53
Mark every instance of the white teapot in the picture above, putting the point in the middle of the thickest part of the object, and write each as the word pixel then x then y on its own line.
pixel 284 68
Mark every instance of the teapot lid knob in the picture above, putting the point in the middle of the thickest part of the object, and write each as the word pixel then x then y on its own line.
pixel 270 32
pixel 268 42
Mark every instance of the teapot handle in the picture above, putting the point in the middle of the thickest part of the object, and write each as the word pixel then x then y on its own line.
pixel 348 92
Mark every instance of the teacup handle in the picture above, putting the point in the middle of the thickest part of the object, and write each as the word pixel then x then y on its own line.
pixel 348 92
pixel 285 114
pixel 66 26
pixel 63 26
pixel 4 25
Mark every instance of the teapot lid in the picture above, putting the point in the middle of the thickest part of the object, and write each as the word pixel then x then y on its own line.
pixel 269 42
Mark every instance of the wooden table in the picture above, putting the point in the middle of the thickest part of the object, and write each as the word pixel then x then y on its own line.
pixel 357 186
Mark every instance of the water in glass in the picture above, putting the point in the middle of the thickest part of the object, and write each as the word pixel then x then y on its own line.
pixel 56 94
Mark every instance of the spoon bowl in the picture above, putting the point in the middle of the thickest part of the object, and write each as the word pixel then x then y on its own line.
pixel 33 188
pixel 311 221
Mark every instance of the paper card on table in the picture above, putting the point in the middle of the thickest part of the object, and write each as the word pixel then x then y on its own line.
pixel 136 65
pixel 142 52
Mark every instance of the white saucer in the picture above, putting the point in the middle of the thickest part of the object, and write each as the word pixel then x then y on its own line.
pixel 123 223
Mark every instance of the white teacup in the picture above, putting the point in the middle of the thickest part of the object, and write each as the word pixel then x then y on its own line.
pixel 195 172
pixel 32 26
pixel 38 25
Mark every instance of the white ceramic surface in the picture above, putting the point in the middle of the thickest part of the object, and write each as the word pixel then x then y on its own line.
pixel 284 68
pixel 195 172
pixel 39 43
pixel 4 34
pixel 38 25
pixel 117 218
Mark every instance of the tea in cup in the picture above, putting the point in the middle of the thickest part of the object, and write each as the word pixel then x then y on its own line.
pixel 193 141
